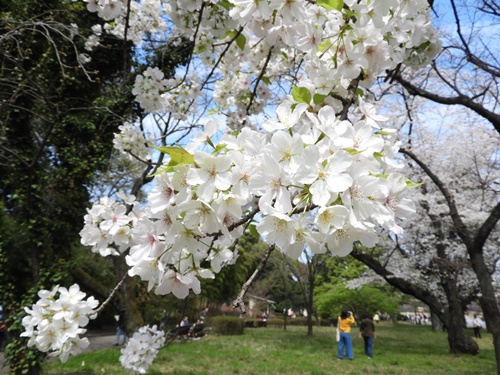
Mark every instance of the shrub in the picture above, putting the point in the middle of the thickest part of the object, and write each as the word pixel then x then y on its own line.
pixel 279 322
pixel 227 325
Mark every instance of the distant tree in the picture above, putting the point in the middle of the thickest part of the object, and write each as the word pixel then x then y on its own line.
pixel 334 294
pixel 465 74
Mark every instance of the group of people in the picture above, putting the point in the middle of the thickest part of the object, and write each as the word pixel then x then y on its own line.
pixel 195 330
pixel 121 333
pixel 366 331
pixel 291 314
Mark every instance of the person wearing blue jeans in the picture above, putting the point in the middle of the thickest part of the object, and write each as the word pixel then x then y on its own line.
pixel 345 321
pixel 120 330
pixel 367 330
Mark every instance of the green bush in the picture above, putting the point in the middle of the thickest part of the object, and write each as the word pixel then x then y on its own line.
pixel 279 322
pixel 227 325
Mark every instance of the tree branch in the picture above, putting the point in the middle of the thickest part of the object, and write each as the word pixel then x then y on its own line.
pixel 456 100
pixel 463 231
pixel 238 302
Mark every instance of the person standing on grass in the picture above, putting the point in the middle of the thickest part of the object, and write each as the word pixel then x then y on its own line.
pixel 367 330
pixel 346 320
pixel 477 324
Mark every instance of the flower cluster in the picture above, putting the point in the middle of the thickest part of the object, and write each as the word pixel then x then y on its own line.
pixel 131 141
pixel 106 9
pixel 313 179
pixel 54 325
pixel 108 223
pixel 147 89
pixel 141 349
pixel 248 45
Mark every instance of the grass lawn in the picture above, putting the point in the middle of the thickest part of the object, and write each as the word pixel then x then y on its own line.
pixel 399 349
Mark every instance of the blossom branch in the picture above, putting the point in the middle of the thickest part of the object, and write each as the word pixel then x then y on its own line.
pixel 259 78
pixel 239 302
pixel 111 295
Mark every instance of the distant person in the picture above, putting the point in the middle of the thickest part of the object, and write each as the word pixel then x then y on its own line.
pixel 477 324
pixel 184 322
pixel 345 321
pixel 204 313
pixel 263 317
pixel 367 331
pixel 3 333
pixel 376 318
pixel 120 331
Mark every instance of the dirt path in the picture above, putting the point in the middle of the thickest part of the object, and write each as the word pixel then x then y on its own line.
pixel 98 341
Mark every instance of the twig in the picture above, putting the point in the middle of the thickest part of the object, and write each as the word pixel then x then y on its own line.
pixel 115 290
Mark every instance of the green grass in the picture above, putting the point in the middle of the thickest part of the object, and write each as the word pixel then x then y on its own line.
pixel 400 349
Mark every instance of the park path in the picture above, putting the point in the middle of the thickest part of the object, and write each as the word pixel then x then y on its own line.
pixel 98 340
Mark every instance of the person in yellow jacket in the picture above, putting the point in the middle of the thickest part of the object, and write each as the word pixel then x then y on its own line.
pixel 346 320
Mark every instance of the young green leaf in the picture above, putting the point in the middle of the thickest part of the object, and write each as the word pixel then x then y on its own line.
pixel 331 4
pixel 301 94
pixel 241 40
pixel 177 155
pixel 318 98
pixel 410 184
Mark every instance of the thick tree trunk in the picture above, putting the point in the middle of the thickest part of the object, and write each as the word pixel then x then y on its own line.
pixel 437 326
pixel 459 342
pixel 488 302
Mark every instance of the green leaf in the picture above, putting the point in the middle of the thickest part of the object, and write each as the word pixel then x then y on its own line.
pixel 349 13
pixel 380 175
pixel 200 48
pixel 323 46
pixel 253 230
pixel 301 94
pixel 331 4
pixel 378 155
pixel 226 4
pixel 163 169
pixel 178 155
pixel 359 92
pixel 230 34
pixel 266 80
pixel 218 148
pixel 410 184
pixel 318 98
pixel 353 151
pixel 241 41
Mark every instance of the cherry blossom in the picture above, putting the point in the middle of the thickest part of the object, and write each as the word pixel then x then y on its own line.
pixel 141 349
pixel 55 325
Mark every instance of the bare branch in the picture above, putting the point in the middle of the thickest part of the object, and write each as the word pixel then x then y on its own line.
pixel 239 302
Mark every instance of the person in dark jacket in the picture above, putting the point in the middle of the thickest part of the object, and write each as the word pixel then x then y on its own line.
pixel 367 330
